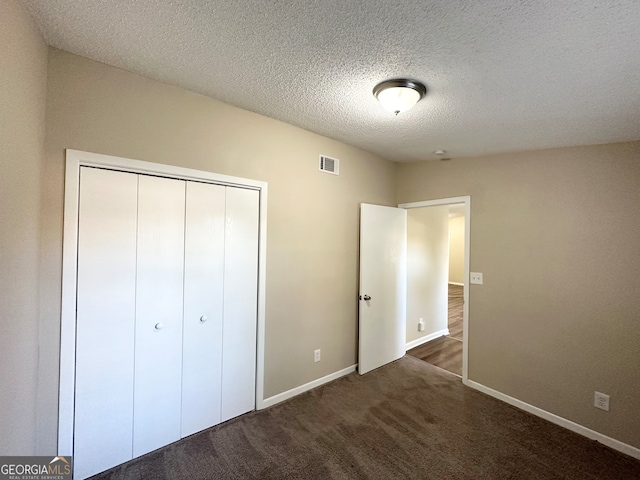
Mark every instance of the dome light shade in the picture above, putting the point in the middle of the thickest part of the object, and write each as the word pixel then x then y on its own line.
pixel 399 95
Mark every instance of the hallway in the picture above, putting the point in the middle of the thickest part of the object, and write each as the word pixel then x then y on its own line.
pixel 446 352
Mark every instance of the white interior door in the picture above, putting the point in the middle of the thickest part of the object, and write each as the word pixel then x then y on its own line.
pixel 240 302
pixel 159 310
pixel 105 320
pixel 383 286
pixel 203 302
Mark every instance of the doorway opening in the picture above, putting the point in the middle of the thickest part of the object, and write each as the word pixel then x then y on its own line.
pixel 437 285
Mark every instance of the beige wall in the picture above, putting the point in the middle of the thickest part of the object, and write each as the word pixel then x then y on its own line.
pixel 555 233
pixel 427 270
pixel 23 69
pixel 456 250
pixel 312 245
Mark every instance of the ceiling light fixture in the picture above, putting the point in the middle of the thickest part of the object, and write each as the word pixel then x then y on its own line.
pixel 399 95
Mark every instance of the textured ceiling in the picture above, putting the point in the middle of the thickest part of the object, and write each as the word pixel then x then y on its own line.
pixel 502 75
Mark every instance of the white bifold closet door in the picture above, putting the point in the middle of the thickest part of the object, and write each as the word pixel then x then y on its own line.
pixel 105 320
pixel 203 307
pixel 159 304
pixel 240 303
pixel 166 312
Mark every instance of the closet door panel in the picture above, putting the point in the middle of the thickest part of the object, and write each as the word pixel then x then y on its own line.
pixel 105 320
pixel 203 295
pixel 240 302
pixel 159 310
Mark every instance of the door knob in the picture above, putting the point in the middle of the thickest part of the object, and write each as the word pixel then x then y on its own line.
pixel 366 298
pixel 203 318
pixel 159 326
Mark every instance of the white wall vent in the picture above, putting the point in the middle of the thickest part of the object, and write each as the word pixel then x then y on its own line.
pixel 329 165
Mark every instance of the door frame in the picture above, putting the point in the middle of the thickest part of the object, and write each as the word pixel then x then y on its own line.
pixel 466 200
pixel 76 159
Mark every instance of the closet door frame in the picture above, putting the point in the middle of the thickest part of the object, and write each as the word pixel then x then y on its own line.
pixel 76 159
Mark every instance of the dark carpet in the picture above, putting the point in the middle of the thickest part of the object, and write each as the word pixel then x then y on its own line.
pixel 406 420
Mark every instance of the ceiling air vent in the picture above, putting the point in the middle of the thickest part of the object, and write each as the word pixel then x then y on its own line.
pixel 329 165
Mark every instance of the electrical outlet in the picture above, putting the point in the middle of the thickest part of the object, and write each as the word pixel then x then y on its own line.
pixel 475 277
pixel 421 325
pixel 601 401
pixel 316 355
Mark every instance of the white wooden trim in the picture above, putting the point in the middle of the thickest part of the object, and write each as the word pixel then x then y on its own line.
pixel 457 283
pixel 66 401
pixel 436 203
pixel 158 169
pixel 466 200
pixel 281 397
pixel 465 292
pixel 74 160
pixel 427 338
pixel 563 422
pixel 262 296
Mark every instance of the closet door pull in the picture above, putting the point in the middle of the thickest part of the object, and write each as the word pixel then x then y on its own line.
pixel 203 318
pixel 159 326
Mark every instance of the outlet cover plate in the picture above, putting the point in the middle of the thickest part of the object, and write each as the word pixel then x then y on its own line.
pixel 316 355
pixel 601 401
pixel 475 278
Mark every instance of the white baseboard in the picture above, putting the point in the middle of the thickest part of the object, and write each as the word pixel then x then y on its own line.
pixel 281 397
pixel 563 422
pixel 427 338
pixel 457 283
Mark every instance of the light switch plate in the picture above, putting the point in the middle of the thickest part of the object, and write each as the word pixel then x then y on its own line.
pixel 476 278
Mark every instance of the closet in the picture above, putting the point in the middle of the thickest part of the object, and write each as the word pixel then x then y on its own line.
pixel 166 312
